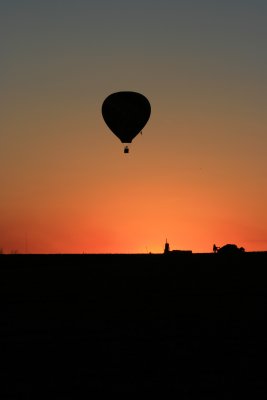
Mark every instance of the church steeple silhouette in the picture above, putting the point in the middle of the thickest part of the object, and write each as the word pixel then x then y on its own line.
pixel 166 247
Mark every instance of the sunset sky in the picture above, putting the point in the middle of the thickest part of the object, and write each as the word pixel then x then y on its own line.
pixel 198 174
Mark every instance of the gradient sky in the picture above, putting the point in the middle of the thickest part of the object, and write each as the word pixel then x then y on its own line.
pixel 197 175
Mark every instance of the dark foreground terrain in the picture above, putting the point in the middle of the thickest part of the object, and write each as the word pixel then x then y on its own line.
pixel 189 326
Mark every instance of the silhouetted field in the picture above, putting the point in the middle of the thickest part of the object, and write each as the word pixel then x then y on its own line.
pixel 190 326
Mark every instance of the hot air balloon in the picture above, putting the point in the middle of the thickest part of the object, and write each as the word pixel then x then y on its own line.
pixel 126 114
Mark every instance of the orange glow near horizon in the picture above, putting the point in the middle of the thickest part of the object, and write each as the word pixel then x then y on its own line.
pixel 131 217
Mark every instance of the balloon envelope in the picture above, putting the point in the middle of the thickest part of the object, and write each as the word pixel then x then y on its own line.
pixel 126 114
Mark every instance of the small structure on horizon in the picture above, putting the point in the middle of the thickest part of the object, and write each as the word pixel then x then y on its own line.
pixel 168 251
pixel 215 248
pixel 228 249
pixel 166 247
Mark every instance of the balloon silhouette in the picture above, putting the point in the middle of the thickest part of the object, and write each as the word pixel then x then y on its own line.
pixel 126 114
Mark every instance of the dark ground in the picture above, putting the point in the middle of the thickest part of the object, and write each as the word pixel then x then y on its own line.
pixel 75 326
